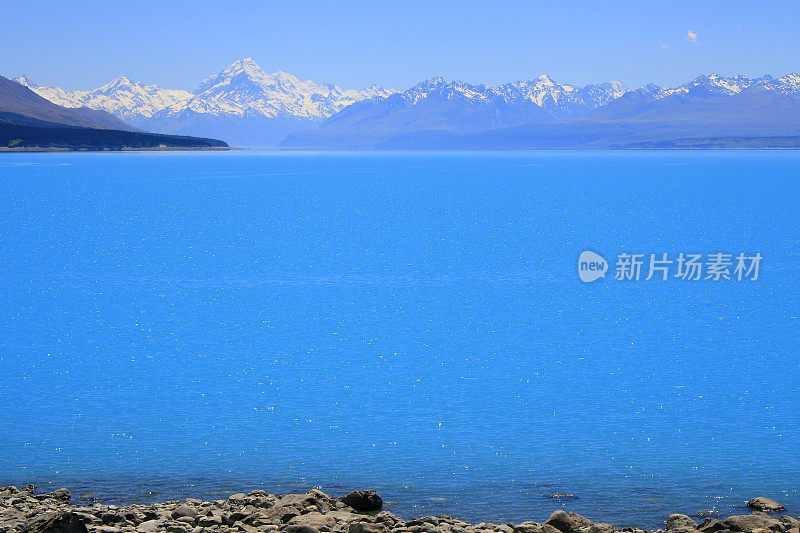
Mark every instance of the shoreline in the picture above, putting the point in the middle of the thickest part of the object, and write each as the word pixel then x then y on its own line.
pixel 297 150
pixel 27 511
pixel 130 149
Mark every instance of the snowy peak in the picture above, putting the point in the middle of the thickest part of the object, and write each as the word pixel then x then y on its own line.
pixel 121 97
pixel 26 81
pixel 241 89
pixel 121 82
pixel 561 101
pixel 718 85
pixel 244 89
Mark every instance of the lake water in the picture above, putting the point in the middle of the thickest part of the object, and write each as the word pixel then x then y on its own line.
pixel 197 324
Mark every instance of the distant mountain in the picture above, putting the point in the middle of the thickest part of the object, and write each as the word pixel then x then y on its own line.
pixel 706 112
pixel 28 121
pixel 563 101
pixel 130 101
pixel 431 108
pixel 249 107
pixel 20 100
pixel 242 104
pixel 710 98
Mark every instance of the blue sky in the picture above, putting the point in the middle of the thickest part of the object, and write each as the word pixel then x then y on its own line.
pixel 354 44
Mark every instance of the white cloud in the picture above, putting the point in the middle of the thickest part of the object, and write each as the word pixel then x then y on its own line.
pixel 664 46
pixel 691 37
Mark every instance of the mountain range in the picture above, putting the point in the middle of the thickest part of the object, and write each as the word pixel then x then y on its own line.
pixel 710 111
pixel 242 104
pixel 248 107
pixel 30 122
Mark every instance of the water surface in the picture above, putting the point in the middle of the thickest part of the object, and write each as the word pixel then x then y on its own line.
pixel 203 323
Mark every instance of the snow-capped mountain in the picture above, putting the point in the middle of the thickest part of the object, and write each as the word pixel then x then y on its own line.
pixel 716 85
pixel 243 103
pixel 543 113
pixel 247 106
pixel 705 98
pixel 564 101
pixel 130 101
pixel 243 88
pixel 559 101
pixel 436 107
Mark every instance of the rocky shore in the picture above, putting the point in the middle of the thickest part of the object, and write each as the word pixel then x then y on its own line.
pixel 26 511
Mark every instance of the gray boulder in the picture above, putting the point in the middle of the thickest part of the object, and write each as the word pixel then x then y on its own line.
pixel 568 522
pixel 676 521
pixel 61 494
pixel 300 528
pixel 318 520
pixel 749 522
pixel 364 500
pixel 150 526
pixel 366 527
pixel 789 521
pixel 765 504
pixel 183 510
pixel 711 525
pixel 57 523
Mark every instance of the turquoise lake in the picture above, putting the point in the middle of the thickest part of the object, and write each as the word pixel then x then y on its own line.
pixel 198 324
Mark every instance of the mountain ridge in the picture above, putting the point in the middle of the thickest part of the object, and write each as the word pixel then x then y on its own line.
pixel 248 106
pixel 242 101
pixel 30 122
pixel 598 116
pixel 18 99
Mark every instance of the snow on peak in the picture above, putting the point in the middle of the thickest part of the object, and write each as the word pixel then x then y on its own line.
pixel 720 85
pixel 121 97
pixel 26 81
pixel 243 88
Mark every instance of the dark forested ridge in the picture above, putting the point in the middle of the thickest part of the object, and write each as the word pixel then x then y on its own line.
pixel 25 136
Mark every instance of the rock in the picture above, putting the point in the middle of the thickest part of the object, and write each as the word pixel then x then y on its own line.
pixel 111 518
pixel 561 496
pixel 57 523
pixel 528 527
pixel 60 494
pixel 319 521
pixel 600 528
pixel 765 504
pixel 790 522
pixel 236 516
pixel 711 525
pixel 300 528
pixel 750 522
pixel 148 527
pixel 676 521
pixel 366 527
pixel 388 518
pixel 183 510
pixel 208 521
pixel 567 522
pixel 421 521
pixel 364 500
pixel 548 528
